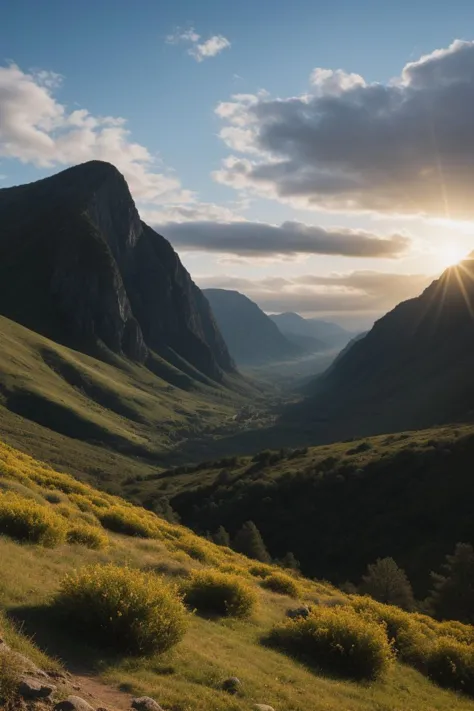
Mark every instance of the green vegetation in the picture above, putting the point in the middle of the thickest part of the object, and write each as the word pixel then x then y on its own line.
pixel 190 674
pixel 249 542
pixel 9 680
pixel 451 664
pixel 26 520
pixel 404 496
pixel 88 536
pixel 388 583
pixel 280 583
pixel 215 593
pixel 123 609
pixel 453 594
pixel 336 640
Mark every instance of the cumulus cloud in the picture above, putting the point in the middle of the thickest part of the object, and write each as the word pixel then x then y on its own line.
pixel 257 239
pixel 197 49
pixel 361 293
pixel 35 128
pixel 404 147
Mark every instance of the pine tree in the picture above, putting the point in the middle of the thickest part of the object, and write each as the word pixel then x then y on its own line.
pixel 221 537
pixel 250 542
pixel 453 594
pixel 386 582
pixel 289 561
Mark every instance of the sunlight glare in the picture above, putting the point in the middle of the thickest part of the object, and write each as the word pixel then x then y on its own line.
pixel 451 254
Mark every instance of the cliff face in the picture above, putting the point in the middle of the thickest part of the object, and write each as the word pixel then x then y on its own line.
pixel 78 265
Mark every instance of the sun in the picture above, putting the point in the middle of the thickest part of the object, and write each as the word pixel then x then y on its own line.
pixel 451 254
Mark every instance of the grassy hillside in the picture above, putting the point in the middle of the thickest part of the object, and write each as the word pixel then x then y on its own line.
pixel 99 417
pixel 338 507
pixel 189 676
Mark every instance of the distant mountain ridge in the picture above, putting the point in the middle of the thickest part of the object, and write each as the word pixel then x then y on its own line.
pixel 413 369
pixel 251 336
pixel 79 266
pixel 324 335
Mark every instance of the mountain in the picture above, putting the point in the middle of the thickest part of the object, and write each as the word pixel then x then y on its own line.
pixel 413 369
pixel 328 335
pixel 250 334
pixel 79 266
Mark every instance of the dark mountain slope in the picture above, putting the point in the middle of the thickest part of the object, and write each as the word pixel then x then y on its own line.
pixel 413 369
pixel 250 334
pixel 79 266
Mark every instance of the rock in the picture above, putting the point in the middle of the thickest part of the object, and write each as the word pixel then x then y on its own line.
pixel 231 685
pixel 145 703
pixel 263 707
pixel 295 613
pixel 33 689
pixel 28 667
pixel 73 703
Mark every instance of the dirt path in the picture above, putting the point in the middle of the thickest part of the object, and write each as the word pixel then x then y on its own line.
pixel 98 694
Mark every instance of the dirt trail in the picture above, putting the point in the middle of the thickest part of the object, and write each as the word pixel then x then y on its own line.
pixel 98 694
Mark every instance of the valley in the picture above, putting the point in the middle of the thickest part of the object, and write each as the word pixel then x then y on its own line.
pixel 147 428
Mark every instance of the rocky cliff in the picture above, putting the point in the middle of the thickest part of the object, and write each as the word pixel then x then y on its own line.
pixel 78 265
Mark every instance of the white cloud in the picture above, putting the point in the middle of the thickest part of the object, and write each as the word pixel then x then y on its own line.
pixel 361 293
pixel 35 128
pixel 404 147
pixel 199 50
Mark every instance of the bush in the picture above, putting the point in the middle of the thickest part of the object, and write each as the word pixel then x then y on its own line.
pixel 336 640
pixel 88 536
pixel 451 664
pixel 9 679
pixel 280 583
pixel 261 571
pixel 121 519
pixel 407 637
pixel 25 520
pixel 213 592
pixel 123 609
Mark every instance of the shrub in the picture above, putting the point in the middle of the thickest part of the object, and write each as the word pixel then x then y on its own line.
pixel 55 497
pixel 213 592
pixel 451 664
pixel 260 571
pixel 405 635
pixel 336 640
pixel 88 536
pixel 25 520
pixel 9 679
pixel 387 583
pixel 123 609
pixel 193 548
pixel 121 519
pixel 280 583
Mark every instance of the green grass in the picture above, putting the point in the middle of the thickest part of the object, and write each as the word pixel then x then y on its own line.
pixel 95 417
pixel 188 677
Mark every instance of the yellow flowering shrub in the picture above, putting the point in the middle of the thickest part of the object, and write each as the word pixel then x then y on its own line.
pixel 216 593
pixel 123 609
pixel 336 640
pixel 88 536
pixel 280 583
pixel 26 520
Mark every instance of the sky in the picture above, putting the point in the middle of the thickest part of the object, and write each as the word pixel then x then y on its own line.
pixel 316 156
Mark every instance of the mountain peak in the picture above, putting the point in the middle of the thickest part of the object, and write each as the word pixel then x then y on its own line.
pixel 79 266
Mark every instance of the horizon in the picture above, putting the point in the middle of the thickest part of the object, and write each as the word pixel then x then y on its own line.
pixel 327 177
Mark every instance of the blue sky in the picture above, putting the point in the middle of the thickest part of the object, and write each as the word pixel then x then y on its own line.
pixel 114 58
